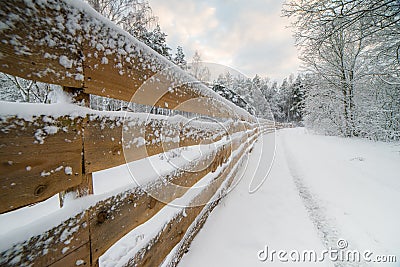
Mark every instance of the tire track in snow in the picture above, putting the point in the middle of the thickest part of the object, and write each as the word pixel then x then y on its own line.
pixel 325 227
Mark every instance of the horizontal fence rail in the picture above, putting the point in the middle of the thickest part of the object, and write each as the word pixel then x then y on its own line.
pixel 32 171
pixel 54 149
pixel 68 43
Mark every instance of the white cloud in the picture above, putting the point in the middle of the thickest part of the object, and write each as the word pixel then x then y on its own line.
pixel 251 37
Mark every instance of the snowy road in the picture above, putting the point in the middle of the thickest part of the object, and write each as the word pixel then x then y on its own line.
pixel 320 190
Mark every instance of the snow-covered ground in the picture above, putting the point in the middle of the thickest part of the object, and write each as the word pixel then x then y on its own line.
pixel 320 190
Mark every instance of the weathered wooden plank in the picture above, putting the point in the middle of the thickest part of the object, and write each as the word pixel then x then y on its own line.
pixel 104 146
pixel 191 233
pixel 159 247
pixel 39 42
pixel 123 77
pixel 110 142
pixel 72 236
pixel 79 257
pixel 31 168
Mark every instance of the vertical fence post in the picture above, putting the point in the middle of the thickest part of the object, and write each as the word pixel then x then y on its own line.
pixel 86 187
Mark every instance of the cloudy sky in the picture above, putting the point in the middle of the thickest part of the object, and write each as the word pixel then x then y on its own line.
pixel 249 36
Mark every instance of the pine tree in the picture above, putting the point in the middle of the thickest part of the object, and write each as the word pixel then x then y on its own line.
pixel 297 94
pixel 156 39
pixel 179 58
pixel 198 69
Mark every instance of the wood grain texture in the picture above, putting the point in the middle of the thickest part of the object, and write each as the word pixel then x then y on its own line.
pixel 191 232
pixel 86 185
pixel 110 142
pixel 31 168
pixel 79 257
pixel 35 41
pixel 53 246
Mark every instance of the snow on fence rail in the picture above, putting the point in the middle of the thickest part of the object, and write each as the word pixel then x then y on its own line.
pixel 70 44
pixel 88 141
pixel 50 149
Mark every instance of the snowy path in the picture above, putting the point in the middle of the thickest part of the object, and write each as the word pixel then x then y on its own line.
pixel 320 189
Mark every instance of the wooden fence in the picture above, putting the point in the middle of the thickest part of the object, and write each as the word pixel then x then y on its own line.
pixel 45 151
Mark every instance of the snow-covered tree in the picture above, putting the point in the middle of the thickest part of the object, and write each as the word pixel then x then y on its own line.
pixel 333 58
pixel 297 102
pixel 285 101
pixel 198 69
pixel 156 39
pixel 351 53
pixel 378 21
pixel 15 89
pixel 230 95
pixel 179 58
pixel 134 16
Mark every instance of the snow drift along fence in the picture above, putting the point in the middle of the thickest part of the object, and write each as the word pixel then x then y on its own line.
pixel 50 149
